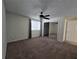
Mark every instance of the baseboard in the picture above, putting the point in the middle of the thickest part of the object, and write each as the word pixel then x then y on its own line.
pixel 71 42
pixel 18 39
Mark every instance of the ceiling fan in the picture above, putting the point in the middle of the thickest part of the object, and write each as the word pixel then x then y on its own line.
pixel 44 16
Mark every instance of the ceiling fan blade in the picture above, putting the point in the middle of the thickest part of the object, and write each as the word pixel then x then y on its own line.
pixel 46 18
pixel 47 15
pixel 42 16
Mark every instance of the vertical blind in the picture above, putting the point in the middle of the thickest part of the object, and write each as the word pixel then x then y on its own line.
pixel 35 25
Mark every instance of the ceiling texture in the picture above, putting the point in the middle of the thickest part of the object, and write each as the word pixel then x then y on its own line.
pixel 32 8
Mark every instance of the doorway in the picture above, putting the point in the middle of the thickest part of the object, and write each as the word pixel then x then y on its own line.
pixel 46 29
pixel 53 29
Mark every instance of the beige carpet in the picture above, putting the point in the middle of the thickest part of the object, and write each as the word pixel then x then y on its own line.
pixel 41 48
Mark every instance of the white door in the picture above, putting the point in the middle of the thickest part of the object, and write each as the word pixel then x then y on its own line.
pixel 71 31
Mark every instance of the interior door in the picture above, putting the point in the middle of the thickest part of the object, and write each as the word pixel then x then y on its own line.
pixel 71 32
pixel 46 29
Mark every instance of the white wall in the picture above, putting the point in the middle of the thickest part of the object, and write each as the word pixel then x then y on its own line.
pixel 17 27
pixel 55 19
pixel 4 39
pixel 60 32
pixel 53 28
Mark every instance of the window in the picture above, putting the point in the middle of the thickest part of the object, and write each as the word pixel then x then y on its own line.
pixel 35 25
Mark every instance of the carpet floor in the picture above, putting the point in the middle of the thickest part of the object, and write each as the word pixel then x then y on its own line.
pixel 41 48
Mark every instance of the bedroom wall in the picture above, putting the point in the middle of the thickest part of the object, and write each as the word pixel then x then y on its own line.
pixel 60 32
pixel 4 38
pixel 55 19
pixel 52 28
pixel 17 27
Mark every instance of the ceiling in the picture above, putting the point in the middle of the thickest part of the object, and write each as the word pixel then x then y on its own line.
pixel 33 8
